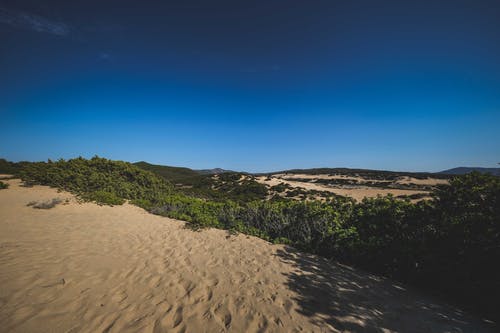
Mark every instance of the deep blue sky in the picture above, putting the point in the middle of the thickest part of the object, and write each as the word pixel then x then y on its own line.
pixel 253 85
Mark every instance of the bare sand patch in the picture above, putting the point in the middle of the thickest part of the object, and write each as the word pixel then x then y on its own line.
pixel 357 192
pixel 427 181
pixel 293 176
pixel 89 268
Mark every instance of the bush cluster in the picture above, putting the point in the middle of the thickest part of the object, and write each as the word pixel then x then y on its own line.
pixel 104 198
pixel 226 186
pixel 98 179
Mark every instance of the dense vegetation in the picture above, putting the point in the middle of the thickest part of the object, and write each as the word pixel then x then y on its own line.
pixel 173 174
pixel 222 187
pixel 225 186
pixel 449 245
pixel 10 168
pixel 98 179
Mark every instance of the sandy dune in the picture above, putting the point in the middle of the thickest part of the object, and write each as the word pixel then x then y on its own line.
pixel 402 180
pixel 426 181
pixel 357 193
pixel 86 268
pixel 292 176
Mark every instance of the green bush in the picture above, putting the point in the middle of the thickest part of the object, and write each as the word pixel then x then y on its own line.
pixel 281 187
pixel 143 203
pixel 104 198
pixel 85 177
pixel 282 240
pixel 234 186
pixel 3 185
pixel 9 168
pixel 199 212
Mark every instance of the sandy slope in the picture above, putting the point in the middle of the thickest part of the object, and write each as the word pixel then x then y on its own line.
pixel 85 268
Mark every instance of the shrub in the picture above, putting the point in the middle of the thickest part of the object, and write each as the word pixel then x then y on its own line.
pixel 104 198
pixel 281 187
pixel 46 204
pixel 84 177
pixel 282 240
pixel 7 167
pixel 199 212
pixel 143 203
pixel 3 185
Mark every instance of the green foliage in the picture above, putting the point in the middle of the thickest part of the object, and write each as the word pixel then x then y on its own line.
pixel 282 240
pixel 104 198
pixel 98 179
pixel 199 212
pixel 281 187
pixel 143 203
pixel 449 245
pixel 7 167
pixel 3 185
pixel 172 174
pixel 466 241
pixel 227 186
pixel 307 225
pixel 222 187
pixel 239 187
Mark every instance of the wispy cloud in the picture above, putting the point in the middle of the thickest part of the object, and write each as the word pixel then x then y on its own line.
pixel 24 20
pixel 273 68
pixel 105 56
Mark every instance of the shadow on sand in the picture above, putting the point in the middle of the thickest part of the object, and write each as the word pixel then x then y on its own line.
pixel 350 300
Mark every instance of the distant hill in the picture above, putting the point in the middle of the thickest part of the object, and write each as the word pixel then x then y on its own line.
pixel 173 174
pixel 466 170
pixel 178 173
pixel 215 171
pixel 7 167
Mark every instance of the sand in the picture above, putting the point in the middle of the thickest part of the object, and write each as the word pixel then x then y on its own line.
pixel 357 193
pixel 293 176
pixel 427 181
pixel 86 268
pixel 402 180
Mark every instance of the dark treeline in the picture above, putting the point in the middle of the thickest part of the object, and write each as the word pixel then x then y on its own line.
pixel 449 245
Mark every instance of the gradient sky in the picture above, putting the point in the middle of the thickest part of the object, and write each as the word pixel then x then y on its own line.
pixel 253 85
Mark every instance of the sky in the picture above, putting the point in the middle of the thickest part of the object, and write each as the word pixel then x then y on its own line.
pixel 253 85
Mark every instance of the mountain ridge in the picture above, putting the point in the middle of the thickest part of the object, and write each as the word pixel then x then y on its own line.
pixel 465 170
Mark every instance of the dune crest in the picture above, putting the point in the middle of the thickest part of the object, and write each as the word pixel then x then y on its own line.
pixel 80 267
